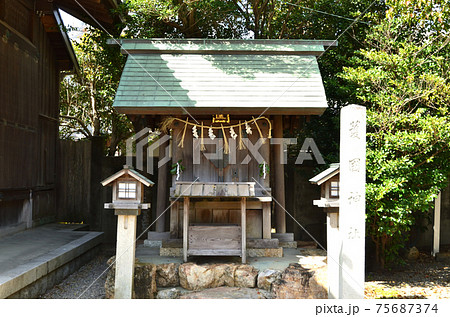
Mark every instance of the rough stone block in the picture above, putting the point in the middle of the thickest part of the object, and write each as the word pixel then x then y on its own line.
pixel 297 282
pixel 195 277
pixel 245 276
pixel 167 275
pixel 145 281
pixel 267 277
pixel 198 277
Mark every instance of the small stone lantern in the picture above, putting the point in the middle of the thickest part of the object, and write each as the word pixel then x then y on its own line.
pixel 329 182
pixel 127 201
pixel 329 189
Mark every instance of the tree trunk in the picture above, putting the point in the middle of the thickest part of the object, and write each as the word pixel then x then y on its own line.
pixel 95 115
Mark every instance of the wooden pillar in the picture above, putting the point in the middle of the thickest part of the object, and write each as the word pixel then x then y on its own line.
pixel 174 220
pixel 437 224
pixel 280 204
pixel 267 227
pixel 161 198
pixel 185 228
pixel 244 229
pixel 125 253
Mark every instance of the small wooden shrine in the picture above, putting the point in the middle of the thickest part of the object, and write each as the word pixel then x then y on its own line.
pixel 225 104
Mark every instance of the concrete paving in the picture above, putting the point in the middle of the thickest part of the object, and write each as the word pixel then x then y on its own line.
pixel 28 256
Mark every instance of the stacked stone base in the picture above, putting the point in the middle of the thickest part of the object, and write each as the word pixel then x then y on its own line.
pixel 174 280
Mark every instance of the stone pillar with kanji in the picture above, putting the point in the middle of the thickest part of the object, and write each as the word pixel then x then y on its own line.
pixel 352 201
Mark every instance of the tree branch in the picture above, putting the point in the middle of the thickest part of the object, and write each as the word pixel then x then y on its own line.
pixel 85 129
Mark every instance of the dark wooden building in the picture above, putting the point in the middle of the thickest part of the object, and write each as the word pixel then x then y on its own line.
pixel 33 52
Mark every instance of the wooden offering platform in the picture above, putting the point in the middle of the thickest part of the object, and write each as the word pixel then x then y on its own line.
pixel 214 217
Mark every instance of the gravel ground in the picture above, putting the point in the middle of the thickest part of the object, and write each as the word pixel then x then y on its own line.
pixel 79 282
pixel 424 278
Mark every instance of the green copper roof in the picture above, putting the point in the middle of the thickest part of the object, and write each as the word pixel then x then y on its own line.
pixel 225 75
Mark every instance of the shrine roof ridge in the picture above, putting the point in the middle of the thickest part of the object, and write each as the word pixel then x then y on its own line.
pixel 222 46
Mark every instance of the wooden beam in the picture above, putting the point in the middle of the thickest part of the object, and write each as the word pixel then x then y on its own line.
pixel 175 110
pixel 267 227
pixel 161 199
pixel 244 229
pixel 185 228
pixel 278 187
pixel 227 204
pixel 174 220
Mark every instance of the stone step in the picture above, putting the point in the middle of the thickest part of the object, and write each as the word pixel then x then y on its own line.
pixel 251 243
pixel 153 235
pixel 251 252
pixel 288 244
pixel 152 243
pixel 228 293
pixel 283 237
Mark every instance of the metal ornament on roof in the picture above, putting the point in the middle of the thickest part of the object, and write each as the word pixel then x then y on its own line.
pixel 220 118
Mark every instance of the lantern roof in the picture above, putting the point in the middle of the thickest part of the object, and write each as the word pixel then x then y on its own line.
pixel 128 170
pixel 326 174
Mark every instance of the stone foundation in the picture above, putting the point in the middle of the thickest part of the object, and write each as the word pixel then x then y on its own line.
pixel 270 253
pixel 164 280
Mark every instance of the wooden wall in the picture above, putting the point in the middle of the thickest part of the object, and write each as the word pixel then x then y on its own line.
pixel 29 88
pixel 300 194
pixel 74 185
pixel 222 171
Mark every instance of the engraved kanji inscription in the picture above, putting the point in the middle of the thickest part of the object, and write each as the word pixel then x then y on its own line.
pixel 354 197
pixel 354 165
pixel 354 129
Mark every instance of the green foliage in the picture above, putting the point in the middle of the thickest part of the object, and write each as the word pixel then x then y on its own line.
pixel 174 167
pixel 86 100
pixel 261 169
pixel 184 19
pixel 402 79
